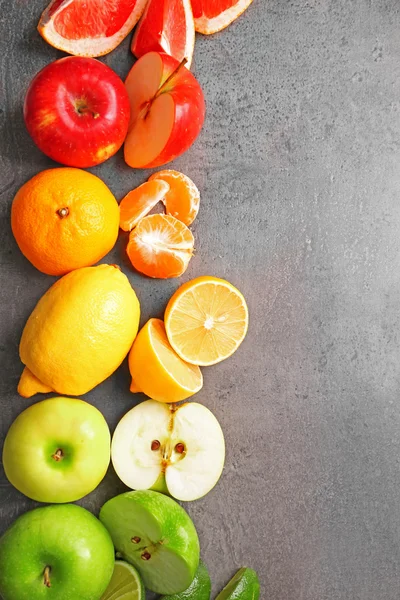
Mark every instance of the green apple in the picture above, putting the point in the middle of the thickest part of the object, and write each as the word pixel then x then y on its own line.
pixel 157 536
pixel 57 553
pixel 175 449
pixel 57 450
pixel 199 589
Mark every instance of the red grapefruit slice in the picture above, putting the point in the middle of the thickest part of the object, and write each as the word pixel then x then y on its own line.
pixel 166 26
pixel 89 27
pixel 211 16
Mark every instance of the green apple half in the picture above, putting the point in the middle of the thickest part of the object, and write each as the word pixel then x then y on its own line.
pixel 170 448
pixel 57 553
pixel 57 450
pixel 157 536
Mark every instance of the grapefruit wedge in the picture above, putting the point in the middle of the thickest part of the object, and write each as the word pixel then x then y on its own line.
pixel 211 16
pixel 166 26
pixel 89 27
pixel 167 110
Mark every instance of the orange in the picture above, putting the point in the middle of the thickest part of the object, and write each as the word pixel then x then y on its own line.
pixel 157 370
pixel 89 27
pixel 206 320
pixel 139 202
pixel 211 16
pixel 183 198
pixel 166 26
pixel 64 219
pixel 160 246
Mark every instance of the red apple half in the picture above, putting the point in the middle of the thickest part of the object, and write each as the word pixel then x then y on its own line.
pixel 167 110
pixel 77 111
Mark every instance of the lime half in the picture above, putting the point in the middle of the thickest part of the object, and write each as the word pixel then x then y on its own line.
pixel 243 586
pixel 125 584
pixel 199 589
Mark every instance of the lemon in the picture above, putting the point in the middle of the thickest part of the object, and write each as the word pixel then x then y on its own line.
pixel 157 370
pixel 79 332
pixel 125 583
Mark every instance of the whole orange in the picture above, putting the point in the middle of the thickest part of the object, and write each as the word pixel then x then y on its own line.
pixel 64 219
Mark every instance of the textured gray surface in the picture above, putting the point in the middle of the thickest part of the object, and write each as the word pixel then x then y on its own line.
pixel 299 169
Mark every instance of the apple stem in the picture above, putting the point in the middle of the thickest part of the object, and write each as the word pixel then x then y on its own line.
pixel 46 577
pixel 167 81
pixel 58 455
pixel 84 110
pixel 161 89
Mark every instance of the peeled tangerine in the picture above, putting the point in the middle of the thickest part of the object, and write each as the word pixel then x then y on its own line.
pixel 79 332
pixel 179 450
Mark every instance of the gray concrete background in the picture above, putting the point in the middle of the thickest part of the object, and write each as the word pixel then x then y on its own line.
pixel 299 170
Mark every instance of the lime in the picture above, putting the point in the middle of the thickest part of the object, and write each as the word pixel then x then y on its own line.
pixel 199 589
pixel 125 583
pixel 243 586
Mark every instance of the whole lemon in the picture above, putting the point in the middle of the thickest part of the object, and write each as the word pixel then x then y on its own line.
pixel 79 332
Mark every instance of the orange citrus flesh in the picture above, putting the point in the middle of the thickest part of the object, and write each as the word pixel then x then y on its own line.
pixel 206 320
pixel 89 27
pixel 157 370
pixel 211 16
pixel 160 246
pixel 182 201
pixel 140 201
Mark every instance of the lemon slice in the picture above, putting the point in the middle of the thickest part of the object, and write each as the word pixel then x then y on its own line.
pixel 206 320
pixel 125 584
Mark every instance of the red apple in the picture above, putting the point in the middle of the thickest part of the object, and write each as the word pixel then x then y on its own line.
pixel 167 110
pixel 77 111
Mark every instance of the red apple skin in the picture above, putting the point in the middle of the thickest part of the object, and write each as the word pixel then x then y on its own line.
pixel 52 114
pixel 190 111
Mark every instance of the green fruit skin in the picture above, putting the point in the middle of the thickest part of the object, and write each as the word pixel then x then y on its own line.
pixel 171 520
pixel 67 538
pixel 69 424
pixel 243 586
pixel 200 588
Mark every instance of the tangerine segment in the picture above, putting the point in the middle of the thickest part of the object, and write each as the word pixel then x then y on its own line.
pixel 160 246
pixel 183 198
pixel 157 370
pixel 206 320
pixel 139 202
pixel 211 16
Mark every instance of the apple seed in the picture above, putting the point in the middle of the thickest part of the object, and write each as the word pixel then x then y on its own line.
pixel 155 445
pixel 135 540
pixel 180 448
pixel 146 556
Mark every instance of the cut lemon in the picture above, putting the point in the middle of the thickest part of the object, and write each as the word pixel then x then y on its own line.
pixel 157 370
pixel 206 320
pixel 125 584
